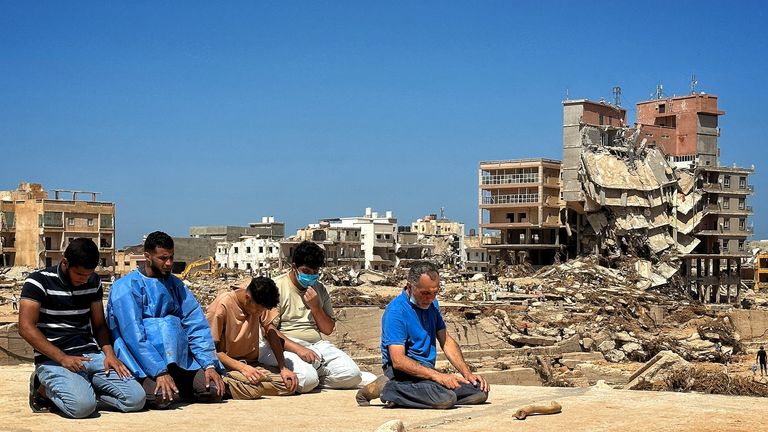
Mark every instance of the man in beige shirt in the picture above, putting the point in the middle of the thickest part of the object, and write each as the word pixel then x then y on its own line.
pixel 304 314
pixel 237 319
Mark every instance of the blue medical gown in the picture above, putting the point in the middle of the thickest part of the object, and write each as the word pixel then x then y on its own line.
pixel 156 322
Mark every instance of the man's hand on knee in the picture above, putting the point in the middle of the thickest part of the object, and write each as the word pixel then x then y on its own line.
pixel 450 381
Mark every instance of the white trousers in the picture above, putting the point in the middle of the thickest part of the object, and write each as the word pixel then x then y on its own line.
pixel 335 370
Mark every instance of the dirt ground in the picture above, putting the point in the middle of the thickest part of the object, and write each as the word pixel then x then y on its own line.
pixel 588 409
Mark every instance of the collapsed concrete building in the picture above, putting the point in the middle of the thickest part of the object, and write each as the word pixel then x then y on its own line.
pixel 435 238
pixel 656 189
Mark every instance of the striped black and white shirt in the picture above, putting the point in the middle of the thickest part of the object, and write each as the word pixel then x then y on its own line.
pixel 65 310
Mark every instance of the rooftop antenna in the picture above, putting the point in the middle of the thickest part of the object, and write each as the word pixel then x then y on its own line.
pixel 442 212
pixel 567 94
pixel 694 81
pixel 659 91
pixel 617 96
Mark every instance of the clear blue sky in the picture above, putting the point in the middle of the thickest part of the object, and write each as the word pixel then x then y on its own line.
pixel 189 113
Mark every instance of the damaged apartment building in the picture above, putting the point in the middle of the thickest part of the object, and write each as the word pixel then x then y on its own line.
pixel 252 248
pixel 36 228
pixel 519 211
pixel 655 189
pixel 432 237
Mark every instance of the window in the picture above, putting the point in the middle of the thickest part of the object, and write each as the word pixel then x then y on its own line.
pixel 741 245
pixel 725 246
pixel 727 181
pixel 90 222
pixel 742 224
pixel 727 224
pixel 742 182
pixel 235 251
pixel 126 263
pixel 662 108
pixel 726 203
pixel 71 221
pixel 742 204
pixel 261 249
pixel 247 249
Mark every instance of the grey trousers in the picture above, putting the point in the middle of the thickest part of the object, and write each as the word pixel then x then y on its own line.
pixel 408 391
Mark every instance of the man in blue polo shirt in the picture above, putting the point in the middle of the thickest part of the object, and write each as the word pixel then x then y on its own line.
pixel 411 326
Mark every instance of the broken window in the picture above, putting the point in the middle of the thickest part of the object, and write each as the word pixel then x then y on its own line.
pixel 662 108
pixel 522 217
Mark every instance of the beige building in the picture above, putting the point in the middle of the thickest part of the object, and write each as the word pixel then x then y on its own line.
pixel 519 204
pixel 431 225
pixel 128 259
pixel 35 228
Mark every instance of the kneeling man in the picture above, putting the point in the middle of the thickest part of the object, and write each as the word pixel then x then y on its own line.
pixel 236 319
pixel 411 325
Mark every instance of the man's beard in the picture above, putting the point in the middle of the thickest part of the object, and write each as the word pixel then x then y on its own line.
pixel 157 271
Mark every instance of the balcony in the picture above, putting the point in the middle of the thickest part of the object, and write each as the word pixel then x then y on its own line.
pixel 501 179
pixel 511 199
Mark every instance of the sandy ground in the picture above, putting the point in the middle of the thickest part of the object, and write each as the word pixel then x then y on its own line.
pixel 590 409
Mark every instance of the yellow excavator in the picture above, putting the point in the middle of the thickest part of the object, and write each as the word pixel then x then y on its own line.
pixel 197 267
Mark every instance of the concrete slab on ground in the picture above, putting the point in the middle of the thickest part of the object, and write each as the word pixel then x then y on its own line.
pixel 589 409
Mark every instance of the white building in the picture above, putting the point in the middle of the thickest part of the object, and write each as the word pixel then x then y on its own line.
pixel 249 253
pixel 378 235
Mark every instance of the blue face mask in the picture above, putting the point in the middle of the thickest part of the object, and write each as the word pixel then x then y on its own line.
pixel 306 280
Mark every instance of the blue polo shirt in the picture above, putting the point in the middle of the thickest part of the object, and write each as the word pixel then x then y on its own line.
pixel 415 328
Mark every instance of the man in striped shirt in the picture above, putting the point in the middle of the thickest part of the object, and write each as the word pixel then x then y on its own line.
pixel 62 317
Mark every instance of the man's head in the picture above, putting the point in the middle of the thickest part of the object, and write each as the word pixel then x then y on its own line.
pixel 423 283
pixel 307 260
pixel 158 250
pixel 80 260
pixel 260 294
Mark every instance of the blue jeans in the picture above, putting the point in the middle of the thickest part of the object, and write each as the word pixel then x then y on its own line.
pixel 74 393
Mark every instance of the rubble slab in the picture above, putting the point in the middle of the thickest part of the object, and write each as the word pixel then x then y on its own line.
pixel 513 376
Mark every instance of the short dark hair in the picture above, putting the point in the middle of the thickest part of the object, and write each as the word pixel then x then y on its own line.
pixel 309 254
pixel 419 268
pixel 264 292
pixel 158 239
pixel 82 252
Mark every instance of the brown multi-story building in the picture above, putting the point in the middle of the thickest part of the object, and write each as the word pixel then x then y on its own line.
pixel 35 229
pixel 519 201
